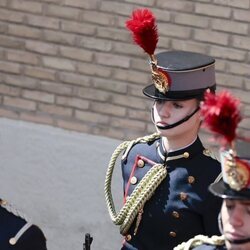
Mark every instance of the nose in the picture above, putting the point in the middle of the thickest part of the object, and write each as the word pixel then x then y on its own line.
pixel 164 109
pixel 236 218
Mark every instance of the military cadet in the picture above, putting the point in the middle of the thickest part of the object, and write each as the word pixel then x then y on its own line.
pixel 233 188
pixel 16 233
pixel 234 218
pixel 166 175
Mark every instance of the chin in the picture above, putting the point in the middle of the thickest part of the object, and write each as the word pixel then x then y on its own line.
pixel 163 132
pixel 231 246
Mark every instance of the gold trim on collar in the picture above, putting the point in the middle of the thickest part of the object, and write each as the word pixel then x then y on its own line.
pixel 171 158
pixel 176 157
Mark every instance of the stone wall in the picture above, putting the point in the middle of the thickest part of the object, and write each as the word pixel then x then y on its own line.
pixel 72 64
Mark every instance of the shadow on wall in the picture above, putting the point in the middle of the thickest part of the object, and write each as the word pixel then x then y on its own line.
pixel 57 177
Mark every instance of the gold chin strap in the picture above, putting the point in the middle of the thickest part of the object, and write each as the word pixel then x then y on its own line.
pixel 143 191
pixel 201 239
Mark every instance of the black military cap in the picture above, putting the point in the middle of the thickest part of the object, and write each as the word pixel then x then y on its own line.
pixel 235 182
pixel 180 75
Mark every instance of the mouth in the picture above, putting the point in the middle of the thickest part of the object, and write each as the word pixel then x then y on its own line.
pixel 233 236
pixel 162 123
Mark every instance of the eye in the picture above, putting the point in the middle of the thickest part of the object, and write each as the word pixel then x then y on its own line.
pixel 248 210
pixel 177 105
pixel 230 205
pixel 159 102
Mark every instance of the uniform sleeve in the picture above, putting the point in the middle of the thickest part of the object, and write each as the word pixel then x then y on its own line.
pixel 210 217
pixel 32 239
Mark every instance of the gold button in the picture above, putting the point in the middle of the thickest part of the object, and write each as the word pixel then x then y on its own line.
pixel 12 241
pixel 206 152
pixel 172 234
pixel 186 155
pixel 183 196
pixel 191 179
pixel 133 180
pixel 175 214
pixel 128 237
pixel 140 163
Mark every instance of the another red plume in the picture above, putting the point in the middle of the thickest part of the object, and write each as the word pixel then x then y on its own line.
pixel 221 114
pixel 142 25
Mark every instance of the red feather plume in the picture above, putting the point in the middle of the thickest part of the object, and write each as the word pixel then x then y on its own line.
pixel 144 30
pixel 221 114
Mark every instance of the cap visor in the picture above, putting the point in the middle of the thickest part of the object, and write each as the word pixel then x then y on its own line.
pixel 223 190
pixel 152 92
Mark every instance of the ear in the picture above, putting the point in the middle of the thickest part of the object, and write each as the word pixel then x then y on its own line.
pixel 199 115
pixel 220 223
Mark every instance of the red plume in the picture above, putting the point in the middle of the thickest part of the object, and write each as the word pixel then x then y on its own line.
pixel 221 114
pixel 142 25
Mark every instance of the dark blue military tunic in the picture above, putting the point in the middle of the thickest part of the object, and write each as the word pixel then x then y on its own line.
pixel 181 206
pixel 210 247
pixel 17 234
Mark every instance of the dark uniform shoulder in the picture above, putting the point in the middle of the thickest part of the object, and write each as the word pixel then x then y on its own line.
pixel 211 153
pixel 16 232
pixel 209 247
pixel 139 144
pixel 32 239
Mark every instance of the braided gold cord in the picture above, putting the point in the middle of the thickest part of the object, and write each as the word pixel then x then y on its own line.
pixel 143 191
pixel 107 188
pixel 133 199
pixel 199 240
pixel 149 185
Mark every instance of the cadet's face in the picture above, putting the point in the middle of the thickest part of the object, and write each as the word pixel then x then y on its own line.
pixel 170 112
pixel 235 216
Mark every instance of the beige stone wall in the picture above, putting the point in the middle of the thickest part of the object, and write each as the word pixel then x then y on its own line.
pixel 72 64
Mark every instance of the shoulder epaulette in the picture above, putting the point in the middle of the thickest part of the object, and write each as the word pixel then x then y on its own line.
pixel 14 211
pixel 211 153
pixel 144 139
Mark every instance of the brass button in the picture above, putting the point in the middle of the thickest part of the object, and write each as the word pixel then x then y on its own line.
pixel 175 214
pixel 183 196
pixel 140 163
pixel 12 241
pixel 128 237
pixel 133 180
pixel 206 152
pixel 186 155
pixel 191 179
pixel 172 234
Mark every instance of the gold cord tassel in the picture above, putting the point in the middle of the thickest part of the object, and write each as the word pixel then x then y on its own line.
pixel 138 220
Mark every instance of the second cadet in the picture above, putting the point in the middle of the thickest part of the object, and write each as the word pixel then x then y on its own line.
pixel 222 115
